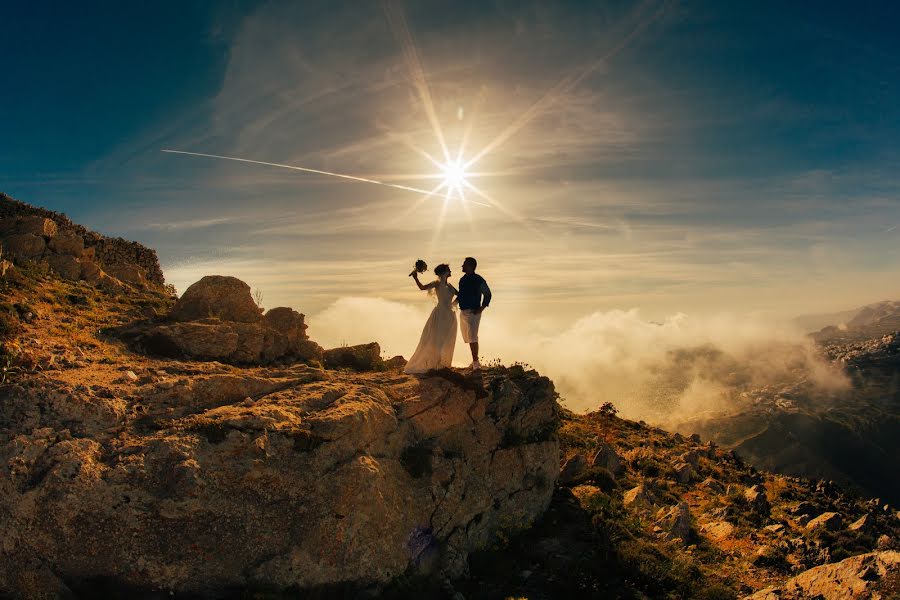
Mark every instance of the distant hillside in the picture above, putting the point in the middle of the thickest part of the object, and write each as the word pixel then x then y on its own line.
pixel 873 320
pixel 852 437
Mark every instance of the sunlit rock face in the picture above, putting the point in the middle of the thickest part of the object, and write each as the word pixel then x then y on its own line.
pixel 866 576
pixel 290 478
pixel 217 319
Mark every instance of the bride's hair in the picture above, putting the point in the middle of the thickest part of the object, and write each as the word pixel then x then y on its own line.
pixel 442 269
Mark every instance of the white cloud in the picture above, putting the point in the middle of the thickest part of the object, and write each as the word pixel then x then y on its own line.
pixel 661 371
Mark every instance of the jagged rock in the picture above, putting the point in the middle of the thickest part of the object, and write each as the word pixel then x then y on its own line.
pixel 768 556
pixel 66 265
pixel 395 363
pixel 684 472
pixel 718 530
pixel 94 275
pixel 713 485
pixel 804 508
pixel 830 520
pixel 691 457
pixel 756 498
pixel 280 335
pixel 217 296
pixel 607 458
pixel 774 528
pixel 128 273
pixel 363 357
pixel 67 242
pixel 884 542
pixel 35 225
pixel 24 246
pixel 574 467
pixel 323 479
pixel 857 578
pixel 678 523
pixel 287 321
pixel 212 339
pixel 640 496
pixel 864 523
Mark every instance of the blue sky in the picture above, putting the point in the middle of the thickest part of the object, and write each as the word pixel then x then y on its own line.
pixel 690 156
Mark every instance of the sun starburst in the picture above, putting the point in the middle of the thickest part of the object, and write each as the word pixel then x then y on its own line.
pixel 455 174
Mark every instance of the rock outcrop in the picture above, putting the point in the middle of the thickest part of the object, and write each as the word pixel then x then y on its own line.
pixel 219 297
pixel 31 233
pixel 363 357
pixel 216 319
pixel 298 478
pixel 867 576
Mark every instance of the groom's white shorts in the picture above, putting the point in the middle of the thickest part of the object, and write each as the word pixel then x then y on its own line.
pixel 468 325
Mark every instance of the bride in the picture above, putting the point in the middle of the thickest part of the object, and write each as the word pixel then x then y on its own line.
pixel 435 349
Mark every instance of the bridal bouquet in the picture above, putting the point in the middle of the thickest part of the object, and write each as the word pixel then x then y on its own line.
pixel 420 267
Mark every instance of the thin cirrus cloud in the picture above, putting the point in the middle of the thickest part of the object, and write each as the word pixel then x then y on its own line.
pixel 619 189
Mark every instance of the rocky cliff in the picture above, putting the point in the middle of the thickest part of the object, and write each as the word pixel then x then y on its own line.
pixel 126 471
pixel 296 478
pixel 37 234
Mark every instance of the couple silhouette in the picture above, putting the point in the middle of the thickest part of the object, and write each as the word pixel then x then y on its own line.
pixel 438 339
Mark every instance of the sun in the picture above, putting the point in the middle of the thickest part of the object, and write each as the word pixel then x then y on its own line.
pixel 454 174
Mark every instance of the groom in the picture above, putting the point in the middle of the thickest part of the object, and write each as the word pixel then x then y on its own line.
pixel 471 289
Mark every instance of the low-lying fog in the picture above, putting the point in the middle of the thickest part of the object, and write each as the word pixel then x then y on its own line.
pixel 663 372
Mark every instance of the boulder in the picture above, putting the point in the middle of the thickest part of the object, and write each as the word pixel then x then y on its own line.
pixel 395 363
pixel 684 472
pixel 68 242
pixel 35 225
pixel 756 498
pixel 718 530
pixel 364 357
pixel 866 576
pixel 691 457
pixel 320 481
pixel 225 341
pixel 640 496
pixel 607 458
pixel 110 284
pixel 769 556
pixel 678 523
pixel 222 297
pixel 713 485
pixel 287 321
pixel 804 508
pixel 830 521
pixel 128 273
pixel 24 246
pixel 573 469
pixel 90 271
pixel 864 524
pixel 66 265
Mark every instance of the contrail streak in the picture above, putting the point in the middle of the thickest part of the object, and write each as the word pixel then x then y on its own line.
pixel 405 188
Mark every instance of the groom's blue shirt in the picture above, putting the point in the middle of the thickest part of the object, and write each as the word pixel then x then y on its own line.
pixel 472 287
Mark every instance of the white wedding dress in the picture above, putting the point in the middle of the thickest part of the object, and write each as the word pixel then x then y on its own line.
pixel 435 349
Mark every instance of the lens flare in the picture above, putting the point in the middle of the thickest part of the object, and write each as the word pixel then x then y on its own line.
pixel 454 173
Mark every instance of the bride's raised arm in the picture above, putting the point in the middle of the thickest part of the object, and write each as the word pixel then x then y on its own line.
pixel 427 286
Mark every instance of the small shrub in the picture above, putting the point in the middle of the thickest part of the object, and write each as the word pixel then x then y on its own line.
pixel 607 410
pixel 9 321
